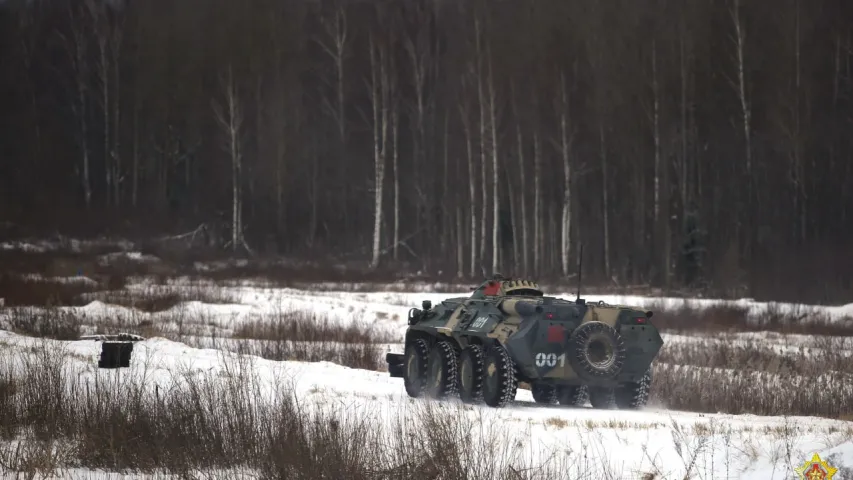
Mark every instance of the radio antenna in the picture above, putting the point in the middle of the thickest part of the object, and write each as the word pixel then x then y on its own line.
pixel 580 272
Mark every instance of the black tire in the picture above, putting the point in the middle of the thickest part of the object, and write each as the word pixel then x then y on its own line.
pixel 441 371
pixel 634 395
pixel 471 369
pixel 499 382
pixel 573 395
pixel 597 350
pixel 602 398
pixel 543 393
pixel 414 375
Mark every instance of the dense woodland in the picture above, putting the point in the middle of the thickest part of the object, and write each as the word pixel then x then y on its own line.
pixel 685 144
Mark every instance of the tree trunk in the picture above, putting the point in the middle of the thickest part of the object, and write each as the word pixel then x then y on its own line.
pixel 395 165
pixel 495 172
pixel 483 162
pixel 379 93
pixel 605 206
pixel 566 221
pixel 749 204
pixel 472 190
pixel 522 194
pixel 537 205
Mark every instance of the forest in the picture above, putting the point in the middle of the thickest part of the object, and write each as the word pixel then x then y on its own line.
pixel 699 145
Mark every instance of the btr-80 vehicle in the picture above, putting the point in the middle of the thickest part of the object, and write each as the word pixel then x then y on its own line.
pixel 507 331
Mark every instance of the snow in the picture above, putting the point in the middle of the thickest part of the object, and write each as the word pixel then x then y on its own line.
pixel 630 442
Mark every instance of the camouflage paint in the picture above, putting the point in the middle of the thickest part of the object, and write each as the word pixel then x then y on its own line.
pixel 536 330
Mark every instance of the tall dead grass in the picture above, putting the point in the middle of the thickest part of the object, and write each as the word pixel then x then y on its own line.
pixel 306 336
pixel 235 423
pixel 716 375
pixel 732 317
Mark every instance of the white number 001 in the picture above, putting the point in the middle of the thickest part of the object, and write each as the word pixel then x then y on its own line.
pixel 550 359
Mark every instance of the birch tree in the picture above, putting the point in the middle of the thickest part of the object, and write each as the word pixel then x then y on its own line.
pixel 565 145
pixel 465 114
pixel 749 204
pixel 495 170
pixel 230 119
pixel 521 196
pixel 76 47
pixel 108 37
pixel 417 49
pixel 335 42
pixel 481 101
pixel 380 94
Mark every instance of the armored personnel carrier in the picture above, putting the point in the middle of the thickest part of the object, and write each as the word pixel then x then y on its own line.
pixel 507 331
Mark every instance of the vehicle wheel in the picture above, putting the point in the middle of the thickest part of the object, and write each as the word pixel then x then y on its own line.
pixel 471 374
pixel 634 394
pixel 546 394
pixel 573 395
pixel 603 398
pixel 441 374
pixel 499 384
pixel 598 350
pixel 414 377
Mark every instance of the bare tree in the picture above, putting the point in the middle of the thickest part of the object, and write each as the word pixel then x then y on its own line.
pixel 495 171
pixel 464 114
pixel 230 120
pixel 739 39
pixel 76 47
pixel 565 146
pixel 605 197
pixel 537 205
pixel 417 49
pixel 395 124
pixel 335 43
pixel 380 91
pixel 108 37
pixel 522 197
pixel 481 100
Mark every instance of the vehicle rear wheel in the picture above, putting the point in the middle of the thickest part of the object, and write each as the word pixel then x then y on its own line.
pixel 635 394
pixel 441 374
pixel 414 377
pixel 543 393
pixel 602 398
pixel 499 384
pixel 573 395
pixel 471 362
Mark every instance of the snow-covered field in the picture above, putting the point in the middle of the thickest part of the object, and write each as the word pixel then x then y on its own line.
pixel 654 443
pixel 625 444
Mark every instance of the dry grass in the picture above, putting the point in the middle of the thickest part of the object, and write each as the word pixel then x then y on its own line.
pixel 155 298
pixel 717 378
pixel 305 336
pixel 731 317
pixel 48 322
pixel 306 326
pixel 830 354
pixel 230 425
pixel 760 393
pixel 19 290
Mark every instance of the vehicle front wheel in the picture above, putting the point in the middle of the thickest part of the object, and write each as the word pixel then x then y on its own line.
pixel 414 377
pixel 442 373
